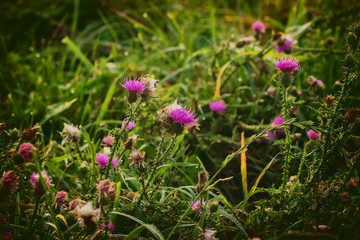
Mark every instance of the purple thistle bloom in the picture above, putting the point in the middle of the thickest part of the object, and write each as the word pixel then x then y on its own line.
pixel 287 64
pixel 108 141
pixel 5 233
pixel 183 116
pixel 313 136
pixel 130 125
pixel 258 27
pixel 320 83
pixel 115 162
pixel 34 179
pixel 196 207
pixel 217 106
pixel 133 85
pixel 102 160
pixel 285 47
pixel 60 198
pixel 278 121
pixel 26 151
pixel 271 136
pixel 111 226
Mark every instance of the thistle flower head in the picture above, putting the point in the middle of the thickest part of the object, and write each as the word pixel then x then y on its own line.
pixel 313 136
pixel 115 162
pixel 9 180
pixel 87 216
pixel 26 151
pixel 70 133
pixel 130 142
pixel 287 64
pixel 133 85
pixel 149 87
pixel 183 116
pixel 108 141
pixel 29 134
pixel 217 106
pixel 74 204
pixel 207 234
pixel 129 126
pixel 137 158
pixel 285 45
pixel 106 188
pixel 276 122
pixel 36 183
pixel 197 205
pixel 258 27
pixel 60 198
pixel 271 92
pixel 110 225
pixel 102 160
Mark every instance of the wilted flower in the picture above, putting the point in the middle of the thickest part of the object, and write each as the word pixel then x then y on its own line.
pixel 60 198
pixel 102 160
pixel 217 106
pixel 137 157
pixel 245 41
pixel 149 87
pixel 87 216
pixel 287 64
pixel 70 133
pixel 75 203
pixel 202 178
pixel 9 180
pixel 130 125
pixel 313 136
pixel 258 27
pixel 328 100
pixel 108 141
pixel 110 225
pixel 36 183
pixel 130 142
pixel 284 44
pixel 271 92
pixel 106 188
pixel 207 234
pixel 30 133
pixel 322 228
pixel 26 151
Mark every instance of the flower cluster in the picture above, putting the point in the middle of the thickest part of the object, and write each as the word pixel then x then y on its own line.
pixel 102 161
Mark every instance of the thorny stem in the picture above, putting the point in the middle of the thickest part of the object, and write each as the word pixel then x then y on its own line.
pixel 287 147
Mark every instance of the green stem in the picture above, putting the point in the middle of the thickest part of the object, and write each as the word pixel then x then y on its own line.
pixel 287 147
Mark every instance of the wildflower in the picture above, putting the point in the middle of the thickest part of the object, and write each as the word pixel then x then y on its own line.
pixel 196 206
pixel 74 204
pixel 130 125
pixel 217 106
pixel 287 64
pixel 134 87
pixel 276 122
pixel 320 83
pixel 106 188
pixel 60 198
pixel 36 183
pixel 284 44
pixel 115 162
pixel 328 100
pixel 110 225
pixel 102 160
pixel 271 92
pixel 30 133
pixel 26 151
pixel 313 136
pixel 271 136
pixel 70 133
pixel 9 180
pixel 207 234
pixel 108 141
pixel 258 27
pixel 130 142
pixel 322 228
pixel 137 157
pixel 87 216
pixel 149 87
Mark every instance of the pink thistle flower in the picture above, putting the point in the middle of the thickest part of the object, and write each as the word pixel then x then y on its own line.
pixel 287 64
pixel 60 198
pixel 26 151
pixel 320 83
pixel 285 47
pixel 197 206
pixel 103 186
pixel 102 160
pixel 108 141
pixel 115 162
pixel 183 116
pixel 74 204
pixel 217 106
pixel 110 225
pixel 278 121
pixel 133 85
pixel 10 180
pixel 258 27
pixel 313 136
pixel 271 136
pixel 36 183
pixel 130 125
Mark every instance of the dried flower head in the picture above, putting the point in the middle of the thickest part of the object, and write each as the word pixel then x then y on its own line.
pixel 207 234
pixel 287 64
pixel 217 106
pixel 70 133
pixel 149 87
pixel 75 203
pixel 87 216
pixel 60 198
pixel 271 92
pixel 328 100
pixel 351 114
pixel 284 44
pixel 29 134
pixel 130 124
pixel 36 183
pixel 258 27
pixel 313 136
pixel 245 41
pixel 137 158
pixel 9 180
pixel 106 188
pixel 26 151
pixel 130 142
pixel 108 141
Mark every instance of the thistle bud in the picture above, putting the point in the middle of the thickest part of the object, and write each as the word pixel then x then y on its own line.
pixel 137 158
pixel 29 134
pixel 202 177
pixel 60 198
pixel 286 79
pixel 14 133
pixel 328 100
pixel 214 206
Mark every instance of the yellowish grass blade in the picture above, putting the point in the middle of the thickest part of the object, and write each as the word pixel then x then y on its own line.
pixel 243 166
